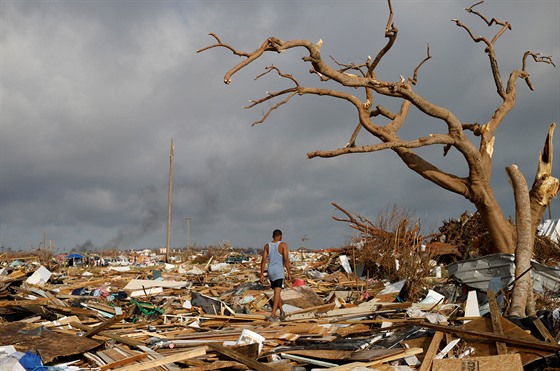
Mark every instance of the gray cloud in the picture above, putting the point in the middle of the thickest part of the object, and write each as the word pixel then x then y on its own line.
pixel 92 92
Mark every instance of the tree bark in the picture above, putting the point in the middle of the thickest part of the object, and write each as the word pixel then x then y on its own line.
pixel 500 229
pixel 525 240
pixel 545 187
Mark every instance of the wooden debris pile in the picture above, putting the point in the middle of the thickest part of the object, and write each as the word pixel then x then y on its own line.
pixel 215 316
pixel 392 248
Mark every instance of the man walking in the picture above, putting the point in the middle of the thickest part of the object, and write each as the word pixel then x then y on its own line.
pixel 276 253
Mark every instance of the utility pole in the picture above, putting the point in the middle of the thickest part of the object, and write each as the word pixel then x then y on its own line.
pixel 188 233
pixel 169 192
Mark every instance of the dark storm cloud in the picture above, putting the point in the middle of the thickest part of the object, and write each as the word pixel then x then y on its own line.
pixel 92 92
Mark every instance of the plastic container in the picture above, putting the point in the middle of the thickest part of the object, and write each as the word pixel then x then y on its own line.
pixel 250 337
pixel 299 282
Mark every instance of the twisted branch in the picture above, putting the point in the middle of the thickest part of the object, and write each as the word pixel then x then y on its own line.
pixel 420 142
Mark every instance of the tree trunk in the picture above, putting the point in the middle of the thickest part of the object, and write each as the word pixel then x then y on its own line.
pixel 545 187
pixel 525 240
pixel 501 231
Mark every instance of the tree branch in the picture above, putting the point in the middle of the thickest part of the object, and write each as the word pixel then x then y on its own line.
pixel 361 225
pixel 270 44
pixel 380 110
pixel 273 107
pixel 489 43
pixel 475 128
pixel 352 141
pixel 397 121
pixel 414 78
pixel 537 57
pixel 420 142
pixel 509 97
pixel 220 44
pixel 391 33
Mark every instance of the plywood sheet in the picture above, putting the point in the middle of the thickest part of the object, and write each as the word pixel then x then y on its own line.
pixel 510 362
pixel 49 344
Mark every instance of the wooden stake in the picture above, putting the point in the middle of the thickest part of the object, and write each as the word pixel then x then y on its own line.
pixel 432 351
pixel 496 322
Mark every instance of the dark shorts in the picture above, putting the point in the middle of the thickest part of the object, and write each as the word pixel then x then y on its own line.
pixel 277 283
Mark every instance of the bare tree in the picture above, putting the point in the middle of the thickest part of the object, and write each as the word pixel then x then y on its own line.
pixel 385 125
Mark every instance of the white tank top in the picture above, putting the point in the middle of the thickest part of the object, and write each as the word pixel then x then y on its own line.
pixel 275 262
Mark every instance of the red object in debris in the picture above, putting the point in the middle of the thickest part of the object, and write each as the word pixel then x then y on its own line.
pixel 299 282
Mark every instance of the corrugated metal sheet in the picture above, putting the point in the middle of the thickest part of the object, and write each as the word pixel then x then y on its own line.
pixel 550 228
pixel 477 273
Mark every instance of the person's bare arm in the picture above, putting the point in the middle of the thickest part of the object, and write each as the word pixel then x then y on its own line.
pixel 263 262
pixel 286 256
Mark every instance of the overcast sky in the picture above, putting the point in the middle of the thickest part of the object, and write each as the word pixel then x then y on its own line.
pixel 93 91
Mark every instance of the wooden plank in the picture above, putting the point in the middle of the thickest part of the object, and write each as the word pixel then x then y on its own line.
pixel 323 353
pixel 31 319
pixel 485 347
pixel 237 317
pixel 449 339
pixel 103 325
pixel 150 351
pixel 404 353
pixel 534 344
pixel 370 355
pixel 249 316
pixel 136 284
pixel 422 342
pixel 317 309
pixel 110 355
pixel 122 362
pixel 309 329
pixel 55 300
pixel 510 362
pixel 61 322
pixel 496 322
pixel 124 340
pixel 72 310
pixel 23 303
pixel 101 307
pixel 94 358
pixel 544 331
pixel 432 351
pixel 308 360
pixel 81 284
pixel 196 352
pixel 241 358
pixel 216 365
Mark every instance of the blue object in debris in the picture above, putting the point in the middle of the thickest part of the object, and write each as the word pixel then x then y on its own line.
pixel 32 362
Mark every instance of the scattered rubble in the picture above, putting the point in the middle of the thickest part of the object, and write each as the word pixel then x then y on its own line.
pixel 213 314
